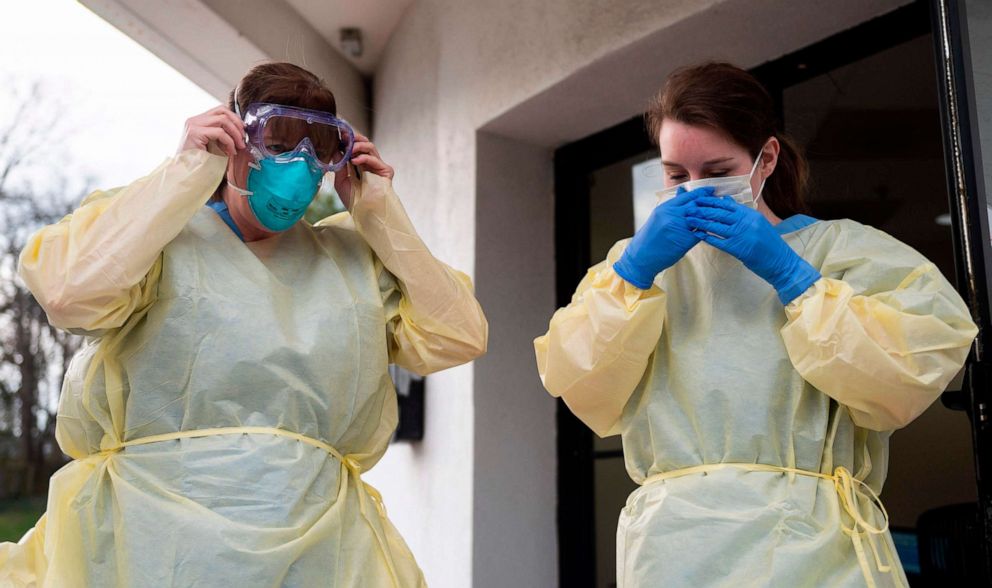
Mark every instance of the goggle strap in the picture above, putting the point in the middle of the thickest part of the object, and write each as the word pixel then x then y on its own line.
pixel 237 106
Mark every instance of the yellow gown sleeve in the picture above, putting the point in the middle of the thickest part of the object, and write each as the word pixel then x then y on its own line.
pixel 882 332
pixel 24 563
pixel 88 271
pixel 433 318
pixel 597 348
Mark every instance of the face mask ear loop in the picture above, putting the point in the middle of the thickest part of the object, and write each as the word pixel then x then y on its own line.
pixel 754 168
pixel 242 191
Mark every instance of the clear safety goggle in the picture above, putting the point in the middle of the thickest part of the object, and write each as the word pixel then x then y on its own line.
pixel 274 130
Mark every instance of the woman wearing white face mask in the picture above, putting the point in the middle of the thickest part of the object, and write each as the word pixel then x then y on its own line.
pixel 754 359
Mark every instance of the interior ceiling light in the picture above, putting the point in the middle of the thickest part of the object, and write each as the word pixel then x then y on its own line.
pixel 351 41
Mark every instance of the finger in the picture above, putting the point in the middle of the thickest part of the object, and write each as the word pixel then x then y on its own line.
pixel 365 147
pixel 374 165
pixel 236 133
pixel 718 202
pixel 219 109
pixel 199 118
pixel 365 141
pixel 236 121
pixel 233 116
pixel 682 196
pixel 719 243
pixel 686 197
pixel 707 226
pixel 709 213
pixel 219 119
pixel 221 137
pixel 370 161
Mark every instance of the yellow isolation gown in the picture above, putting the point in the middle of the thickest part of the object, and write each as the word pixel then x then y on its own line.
pixel 759 433
pixel 230 394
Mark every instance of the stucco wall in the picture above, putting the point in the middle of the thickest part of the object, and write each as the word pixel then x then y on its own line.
pixel 514 470
pixel 283 35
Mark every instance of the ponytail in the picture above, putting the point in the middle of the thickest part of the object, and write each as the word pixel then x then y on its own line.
pixel 785 189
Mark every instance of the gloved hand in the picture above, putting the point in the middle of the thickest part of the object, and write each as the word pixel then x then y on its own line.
pixel 661 242
pixel 747 235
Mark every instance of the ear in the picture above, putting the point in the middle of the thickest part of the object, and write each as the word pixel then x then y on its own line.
pixel 769 157
pixel 231 171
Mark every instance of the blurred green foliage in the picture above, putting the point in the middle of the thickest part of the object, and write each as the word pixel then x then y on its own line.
pixel 17 516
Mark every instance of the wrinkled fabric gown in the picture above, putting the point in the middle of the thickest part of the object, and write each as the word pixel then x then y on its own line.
pixel 718 391
pixel 271 357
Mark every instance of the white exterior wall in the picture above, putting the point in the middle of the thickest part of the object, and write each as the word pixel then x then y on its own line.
pixel 469 100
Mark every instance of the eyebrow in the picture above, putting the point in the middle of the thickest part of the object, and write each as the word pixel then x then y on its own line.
pixel 710 162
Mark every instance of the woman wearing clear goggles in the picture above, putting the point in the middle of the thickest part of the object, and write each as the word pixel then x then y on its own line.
pixel 234 386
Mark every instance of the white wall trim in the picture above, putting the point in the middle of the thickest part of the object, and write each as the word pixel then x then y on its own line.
pixel 187 35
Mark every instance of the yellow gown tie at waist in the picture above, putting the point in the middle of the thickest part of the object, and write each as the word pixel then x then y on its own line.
pixel 350 466
pixel 851 493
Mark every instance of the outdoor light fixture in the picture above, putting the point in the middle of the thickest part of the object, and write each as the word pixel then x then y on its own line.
pixel 351 41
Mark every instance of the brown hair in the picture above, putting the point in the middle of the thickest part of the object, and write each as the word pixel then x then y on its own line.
pixel 279 83
pixel 282 83
pixel 727 98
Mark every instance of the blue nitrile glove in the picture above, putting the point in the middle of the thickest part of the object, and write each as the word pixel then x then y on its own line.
pixel 661 242
pixel 747 235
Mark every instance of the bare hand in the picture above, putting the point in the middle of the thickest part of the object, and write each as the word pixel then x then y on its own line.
pixel 216 129
pixel 366 158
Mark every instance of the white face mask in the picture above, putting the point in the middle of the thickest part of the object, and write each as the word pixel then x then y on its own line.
pixel 737 187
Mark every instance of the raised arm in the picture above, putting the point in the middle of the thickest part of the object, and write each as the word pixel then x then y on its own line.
pixel 88 271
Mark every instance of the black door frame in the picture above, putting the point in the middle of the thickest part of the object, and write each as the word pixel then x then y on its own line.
pixel 576 500
pixel 971 231
pixel 574 163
